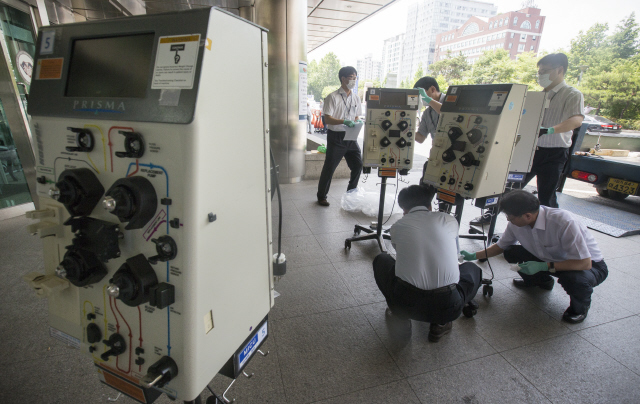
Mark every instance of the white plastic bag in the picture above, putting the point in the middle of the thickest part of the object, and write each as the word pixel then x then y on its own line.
pixel 357 200
pixel 352 200
pixel 372 202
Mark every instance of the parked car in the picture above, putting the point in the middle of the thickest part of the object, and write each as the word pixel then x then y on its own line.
pixel 601 124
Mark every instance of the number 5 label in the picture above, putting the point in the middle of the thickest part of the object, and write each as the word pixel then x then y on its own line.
pixel 46 46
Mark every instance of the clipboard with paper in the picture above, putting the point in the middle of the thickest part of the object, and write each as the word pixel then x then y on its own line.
pixel 352 133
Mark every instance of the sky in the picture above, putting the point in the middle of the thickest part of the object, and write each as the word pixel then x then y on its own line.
pixel 564 20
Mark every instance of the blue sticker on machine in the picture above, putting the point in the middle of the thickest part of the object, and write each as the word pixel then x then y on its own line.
pixel 252 346
pixel 510 106
pixel 491 201
pixel 515 177
pixel 524 111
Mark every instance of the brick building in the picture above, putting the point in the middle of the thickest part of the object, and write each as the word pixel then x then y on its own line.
pixel 516 31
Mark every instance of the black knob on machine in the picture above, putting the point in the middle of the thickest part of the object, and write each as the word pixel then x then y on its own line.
pixel 93 333
pixel 468 186
pixel 407 161
pixel 160 373
pixel 452 181
pixel 117 344
pixel 460 118
pixel 166 248
pixel 384 142
pixel 84 140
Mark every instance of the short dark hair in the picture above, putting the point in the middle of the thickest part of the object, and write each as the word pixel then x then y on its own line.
pixel 415 195
pixel 556 60
pixel 426 83
pixel 347 71
pixel 518 202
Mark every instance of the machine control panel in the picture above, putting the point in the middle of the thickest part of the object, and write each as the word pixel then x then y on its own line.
pixel 474 140
pixel 391 123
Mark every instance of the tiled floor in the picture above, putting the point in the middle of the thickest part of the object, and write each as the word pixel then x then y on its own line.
pixel 329 340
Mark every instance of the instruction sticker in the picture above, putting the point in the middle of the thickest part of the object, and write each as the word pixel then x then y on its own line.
pixel 412 100
pixel 374 97
pixel 176 60
pixel 49 69
pixel 498 98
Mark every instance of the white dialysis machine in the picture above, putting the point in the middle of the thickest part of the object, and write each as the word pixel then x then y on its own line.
pixel 476 134
pixel 533 111
pixel 391 124
pixel 149 176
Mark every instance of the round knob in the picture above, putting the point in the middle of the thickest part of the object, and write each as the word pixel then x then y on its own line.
pixel 481 149
pixel 109 204
pixel 93 333
pixel 443 178
pixel 407 161
pixel 409 134
pixel 388 113
pixel 54 193
pixel 460 118
pixel 113 290
pixel 468 186
pixel 478 120
pixel 402 114
pixel 392 160
pixel 452 181
pixel 383 160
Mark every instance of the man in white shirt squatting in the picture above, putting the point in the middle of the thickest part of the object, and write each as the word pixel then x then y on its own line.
pixel 425 283
pixel 553 243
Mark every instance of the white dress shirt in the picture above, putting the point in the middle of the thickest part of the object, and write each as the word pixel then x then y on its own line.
pixel 564 102
pixel 556 236
pixel 426 246
pixel 339 105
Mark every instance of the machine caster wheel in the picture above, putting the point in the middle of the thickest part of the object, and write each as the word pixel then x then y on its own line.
pixel 470 309
pixel 482 260
pixel 356 231
pixel 495 239
pixel 347 244
pixel 487 290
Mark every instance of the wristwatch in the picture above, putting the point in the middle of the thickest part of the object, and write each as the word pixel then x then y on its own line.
pixel 552 267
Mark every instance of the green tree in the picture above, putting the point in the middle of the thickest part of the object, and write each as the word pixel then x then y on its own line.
pixel 616 93
pixel 451 67
pixel 323 74
pixel 328 90
pixel 527 70
pixel 590 50
pixel 419 74
pixel 494 67
pixel 624 42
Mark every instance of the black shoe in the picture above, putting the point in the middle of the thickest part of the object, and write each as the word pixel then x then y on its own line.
pixel 323 202
pixel 522 284
pixel 399 327
pixel 572 318
pixel 436 331
pixel 481 220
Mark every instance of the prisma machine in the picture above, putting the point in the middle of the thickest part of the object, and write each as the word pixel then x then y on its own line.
pixel 391 124
pixel 147 185
pixel 475 137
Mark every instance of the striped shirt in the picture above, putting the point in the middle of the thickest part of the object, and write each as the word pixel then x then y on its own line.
pixel 429 121
pixel 564 102
pixel 339 105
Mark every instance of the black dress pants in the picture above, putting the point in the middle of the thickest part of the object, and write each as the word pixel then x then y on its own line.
pixel 548 163
pixel 437 306
pixel 578 284
pixel 337 148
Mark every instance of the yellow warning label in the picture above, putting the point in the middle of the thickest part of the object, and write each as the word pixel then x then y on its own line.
pixel 174 39
pixel 49 69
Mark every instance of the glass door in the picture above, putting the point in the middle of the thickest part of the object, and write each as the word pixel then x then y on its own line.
pixel 16 65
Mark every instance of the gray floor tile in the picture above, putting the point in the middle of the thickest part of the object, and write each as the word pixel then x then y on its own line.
pixel 330 354
pixel 569 369
pixel 288 208
pixel 321 220
pixel 501 268
pixel 265 386
pixel 305 190
pixel 418 355
pixel 555 302
pixel 628 265
pixel 507 321
pixel 622 289
pixel 358 275
pixel 607 337
pixel 309 290
pixel 486 380
pixel 620 247
pixel 302 251
pixel 293 225
pixel 392 393
pixel 333 246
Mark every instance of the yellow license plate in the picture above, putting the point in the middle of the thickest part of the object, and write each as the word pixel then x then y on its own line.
pixel 626 187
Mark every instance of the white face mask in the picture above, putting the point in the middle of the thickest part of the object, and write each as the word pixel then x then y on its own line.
pixel 544 80
pixel 351 85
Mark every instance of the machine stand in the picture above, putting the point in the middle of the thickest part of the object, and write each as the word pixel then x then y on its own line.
pixel 379 234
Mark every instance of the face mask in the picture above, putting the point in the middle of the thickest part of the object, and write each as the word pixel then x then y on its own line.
pixel 544 80
pixel 351 85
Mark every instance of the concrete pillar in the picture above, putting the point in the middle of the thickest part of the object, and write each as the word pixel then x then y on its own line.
pixel 286 21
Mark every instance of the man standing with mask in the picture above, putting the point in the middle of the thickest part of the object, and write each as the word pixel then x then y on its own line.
pixel 564 114
pixel 342 108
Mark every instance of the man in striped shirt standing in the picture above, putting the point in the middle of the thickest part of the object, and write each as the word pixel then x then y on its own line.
pixel 564 114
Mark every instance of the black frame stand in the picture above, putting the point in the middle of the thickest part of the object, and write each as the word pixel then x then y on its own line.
pixel 379 234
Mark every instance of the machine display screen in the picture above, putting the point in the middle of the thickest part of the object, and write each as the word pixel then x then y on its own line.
pixel 474 98
pixel 110 67
pixel 393 98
